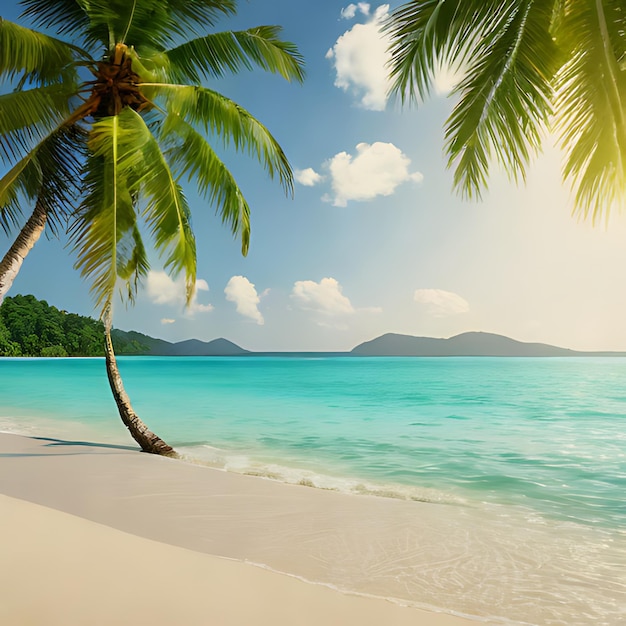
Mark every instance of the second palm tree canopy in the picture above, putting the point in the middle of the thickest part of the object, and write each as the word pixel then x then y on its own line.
pixel 526 69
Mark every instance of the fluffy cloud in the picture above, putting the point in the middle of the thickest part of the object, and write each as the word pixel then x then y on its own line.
pixel 161 289
pixel 350 11
pixel 167 320
pixel 324 297
pixel 242 292
pixel 360 58
pixel 440 303
pixel 376 170
pixel 307 177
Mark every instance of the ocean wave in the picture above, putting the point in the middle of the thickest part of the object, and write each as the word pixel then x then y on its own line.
pixel 217 458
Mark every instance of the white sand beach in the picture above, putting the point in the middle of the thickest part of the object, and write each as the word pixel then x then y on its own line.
pixel 105 535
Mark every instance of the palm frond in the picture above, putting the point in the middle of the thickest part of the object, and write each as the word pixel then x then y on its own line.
pixel 61 161
pixel 201 12
pixel 505 98
pixel 97 23
pixel 232 123
pixel 107 213
pixel 167 210
pixel 215 54
pixel 26 117
pixel 591 105
pixel 15 184
pixel 169 218
pixel 34 56
pixel 191 155
pixel 425 33
pixel 132 261
pixel 125 165
pixel 160 22
pixel 67 17
pixel 134 22
pixel 49 174
pixel 152 23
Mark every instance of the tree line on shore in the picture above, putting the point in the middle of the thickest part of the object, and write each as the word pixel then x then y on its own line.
pixel 32 327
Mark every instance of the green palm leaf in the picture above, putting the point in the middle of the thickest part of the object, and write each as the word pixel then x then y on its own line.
pixel 200 12
pixel 126 164
pixel 16 182
pixel 192 156
pixel 26 117
pixel 142 22
pixel 505 97
pixel 68 17
pixel 60 161
pixel 167 211
pixel 425 33
pixel 232 123
pixel 528 66
pixel 591 105
pixel 132 261
pixel 49 174
pixel 39 57
pixel 214 55
pixel 160 22
pixel 107 213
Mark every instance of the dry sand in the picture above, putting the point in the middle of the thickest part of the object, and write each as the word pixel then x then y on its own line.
pixel 96 535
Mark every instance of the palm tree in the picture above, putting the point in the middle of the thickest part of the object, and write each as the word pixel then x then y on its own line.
pixel 108 118
pixel 526 68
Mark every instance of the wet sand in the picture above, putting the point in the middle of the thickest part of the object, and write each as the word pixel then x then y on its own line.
pixel 100 534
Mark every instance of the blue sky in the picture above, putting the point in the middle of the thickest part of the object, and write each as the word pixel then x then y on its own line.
pixel 374 240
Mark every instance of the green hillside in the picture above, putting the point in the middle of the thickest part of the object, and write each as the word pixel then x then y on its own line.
pixel 31 327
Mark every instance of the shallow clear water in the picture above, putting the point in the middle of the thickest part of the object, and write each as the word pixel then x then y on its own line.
pixel 524 441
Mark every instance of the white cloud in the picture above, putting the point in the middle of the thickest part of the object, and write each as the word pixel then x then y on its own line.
pixel 323 297
pixel 242 292
pixel 350 11
pixel 168 320
pixel 376 170
pixel 360 58
pixel 440 303
pixel 307 177
pixel 161 289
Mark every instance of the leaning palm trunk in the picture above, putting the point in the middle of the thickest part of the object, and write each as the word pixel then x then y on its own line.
pixel 23 244
pixel 148 441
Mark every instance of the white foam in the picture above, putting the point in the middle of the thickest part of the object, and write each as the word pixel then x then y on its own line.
pixel 244 464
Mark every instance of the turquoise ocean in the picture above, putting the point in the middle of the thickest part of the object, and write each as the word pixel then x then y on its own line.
pixel 522 441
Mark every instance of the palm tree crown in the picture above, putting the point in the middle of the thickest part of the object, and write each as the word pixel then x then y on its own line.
pixel 108 118
pixel 526 67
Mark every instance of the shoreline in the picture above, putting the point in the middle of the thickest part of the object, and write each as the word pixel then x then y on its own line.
pixel 471 564
pixel 98 513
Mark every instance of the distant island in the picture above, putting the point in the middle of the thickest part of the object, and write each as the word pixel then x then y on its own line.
pixel 190 347
pixel 31 327
pixel 465 344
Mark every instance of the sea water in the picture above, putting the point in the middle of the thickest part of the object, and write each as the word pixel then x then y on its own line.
pixel 533 449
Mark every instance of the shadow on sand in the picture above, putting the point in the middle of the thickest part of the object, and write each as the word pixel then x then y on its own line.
pixel 65 446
